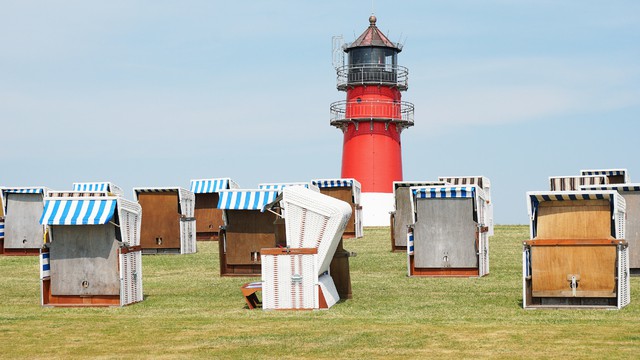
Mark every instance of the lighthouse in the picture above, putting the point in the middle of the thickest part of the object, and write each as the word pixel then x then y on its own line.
pixel 372 119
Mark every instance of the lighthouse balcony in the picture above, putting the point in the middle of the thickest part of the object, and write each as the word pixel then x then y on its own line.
pixel 372 74
pixel 399 112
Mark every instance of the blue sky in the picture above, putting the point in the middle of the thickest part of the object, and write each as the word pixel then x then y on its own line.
pixel 155 93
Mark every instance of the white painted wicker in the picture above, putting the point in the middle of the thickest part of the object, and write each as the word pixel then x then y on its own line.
pixel 294 281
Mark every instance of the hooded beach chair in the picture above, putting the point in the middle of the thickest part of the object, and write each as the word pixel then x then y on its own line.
pixel 168 224
pixel 297 276
pixel 208 215
pixel 614 176
pixel 23 233
pixel 576 255
pixel 350 191
pixel 247 229
pixel 402 216
pixel 448 236
pixel 98 186
pixel 631 194
pixel 572 183
pixel 93 254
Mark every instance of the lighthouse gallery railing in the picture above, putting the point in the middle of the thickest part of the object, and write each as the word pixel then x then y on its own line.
pixel 394 111
pixel 388 75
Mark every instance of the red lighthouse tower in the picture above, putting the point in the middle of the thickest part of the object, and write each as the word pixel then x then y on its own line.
pixel 372 119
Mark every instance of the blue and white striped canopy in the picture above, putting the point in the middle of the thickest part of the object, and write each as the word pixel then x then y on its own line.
pixel 615 172
pixel 206 186
pixel 25 190
pixel 94 186
pixel 280 186
pixel 330 183
pixel 563 195
pixel 433 192
pixel 61 211
pixel 246 199
pixel 617 187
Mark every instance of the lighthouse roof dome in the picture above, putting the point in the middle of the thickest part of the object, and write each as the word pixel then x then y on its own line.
pixel 372 36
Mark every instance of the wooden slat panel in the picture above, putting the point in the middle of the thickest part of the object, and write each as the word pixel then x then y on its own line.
pixel 84 254
pixel 445 234
pixel 574 219
pixel 208 216
pixel 632 229
pixel 248 231
pixel 404 215
pixel 22 229
pixel 160 220
pixel 339 270
pixel 346 195
pixel 595 265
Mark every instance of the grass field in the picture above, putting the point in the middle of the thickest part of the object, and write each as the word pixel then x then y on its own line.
pixel 190 311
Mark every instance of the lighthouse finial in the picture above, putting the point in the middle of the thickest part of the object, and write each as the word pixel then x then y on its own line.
pixel 372 20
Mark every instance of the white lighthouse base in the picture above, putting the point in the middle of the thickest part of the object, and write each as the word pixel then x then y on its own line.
pixel 376 208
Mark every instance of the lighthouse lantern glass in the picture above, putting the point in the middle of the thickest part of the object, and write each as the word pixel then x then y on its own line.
pixel 384 57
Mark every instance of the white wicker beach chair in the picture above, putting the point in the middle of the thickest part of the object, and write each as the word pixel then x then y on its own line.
pixel 297 277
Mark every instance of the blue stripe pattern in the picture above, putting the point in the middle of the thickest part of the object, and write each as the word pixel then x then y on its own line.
pixel 78 212
pixel 207 186
pixel 433 192
pixel 98 186
pixel 2 230
pixel 280 186
pixel 618 187
pixel 45 268
pixel 604 172
pixel 245 199
pixel 410 249
pixel 559 196
pixel 330 183
pixel 23 190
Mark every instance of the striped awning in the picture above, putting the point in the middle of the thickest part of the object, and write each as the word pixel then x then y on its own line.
pixel 330 183
pixel 95 186
pixel 612 172
pixel 206 186
pixel 246 199
pixel 25 190
pixel 280 186
pixel 155 190
pixel 617 187
pixel 563 195
pixel 78 212
pixel 433 192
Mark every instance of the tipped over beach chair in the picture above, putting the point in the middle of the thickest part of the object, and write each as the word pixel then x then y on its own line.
pixel 297 276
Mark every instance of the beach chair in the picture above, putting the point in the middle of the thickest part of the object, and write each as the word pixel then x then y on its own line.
pixel 448 236
pixel 576 255
pixel 92 256
pixel 297 276
pixel 208 216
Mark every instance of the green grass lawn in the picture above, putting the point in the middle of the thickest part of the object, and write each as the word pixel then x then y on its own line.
pixel 190 311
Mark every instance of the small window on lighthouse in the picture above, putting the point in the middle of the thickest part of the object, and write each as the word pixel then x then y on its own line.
pixel 358 100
